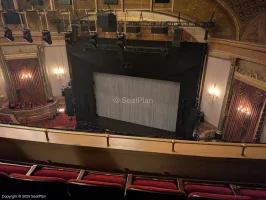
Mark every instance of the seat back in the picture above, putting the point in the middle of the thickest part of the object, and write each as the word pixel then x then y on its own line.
pixel 50 187
pixel 99 186
pixel 206 196
pixel 254 193
pixel 18 169
pixel 66 175
pixel 5 184
pixel 207 188
pixel 5 181
pixel 155 190
pixel 84 189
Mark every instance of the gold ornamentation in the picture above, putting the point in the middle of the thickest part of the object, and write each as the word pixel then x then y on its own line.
pixel 250 74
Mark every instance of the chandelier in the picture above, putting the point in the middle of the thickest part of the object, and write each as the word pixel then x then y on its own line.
pixel 26 76
pixel 243 109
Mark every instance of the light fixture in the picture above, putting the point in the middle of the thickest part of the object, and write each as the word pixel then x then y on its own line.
pixel 26 76
pixel 243 109
pixel 214 92
pixel 68 38
pixel 46 36
pixel 27 35
pixel 61 110
pixel 59 71
pixel 93 40
pixel 121 41
pixel 9 35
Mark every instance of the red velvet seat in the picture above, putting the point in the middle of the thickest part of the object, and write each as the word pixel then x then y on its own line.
pixel 50 187
pixel 207 188
pixel 66 175
pixel 254 193
pixel 106 178
pixel 98 186
pixel 5 183
pixel 206 196
pixel 8 169
pixel 155 190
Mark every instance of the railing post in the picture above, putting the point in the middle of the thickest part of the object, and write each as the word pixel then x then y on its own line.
pixel 173 146
pixel 46 135
pixel 107 137
pixel 243 150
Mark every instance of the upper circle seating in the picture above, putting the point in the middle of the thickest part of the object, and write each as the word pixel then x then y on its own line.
pixel 72 184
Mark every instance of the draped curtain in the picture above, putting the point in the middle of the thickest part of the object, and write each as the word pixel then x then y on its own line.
pixel 27 80
pixel 244 113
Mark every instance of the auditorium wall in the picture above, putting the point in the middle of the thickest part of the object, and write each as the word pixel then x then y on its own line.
pixel 56 58
pixel 2 84
pixel 263 134
pixel 256 69
pixel 217 73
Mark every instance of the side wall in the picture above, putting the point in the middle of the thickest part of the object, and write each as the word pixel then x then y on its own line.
pixel 217 73
pixel 56 58
pixel 2 85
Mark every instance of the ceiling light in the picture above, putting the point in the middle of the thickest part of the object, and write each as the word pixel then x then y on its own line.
pixel 68 38
pixel 121 41
pixel 27 35
pixel 93 41
pixel 46 36
pixel 9 35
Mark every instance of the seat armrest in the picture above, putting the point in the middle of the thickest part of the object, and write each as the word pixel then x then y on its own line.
pixel 180 184
pixel 129 182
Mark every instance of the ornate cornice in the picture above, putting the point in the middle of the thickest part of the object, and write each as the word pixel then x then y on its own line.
pixel 247 51
pixel 20 56
pixel 251 79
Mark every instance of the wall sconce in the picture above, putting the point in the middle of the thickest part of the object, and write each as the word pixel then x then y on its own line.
pixel 26 76
pixel 244 110
pixel 59 71
pixel 214 92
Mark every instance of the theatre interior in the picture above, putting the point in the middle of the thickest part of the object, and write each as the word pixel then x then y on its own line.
pixel 133 99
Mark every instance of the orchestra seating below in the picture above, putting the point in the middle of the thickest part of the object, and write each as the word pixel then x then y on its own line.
pixel 55 183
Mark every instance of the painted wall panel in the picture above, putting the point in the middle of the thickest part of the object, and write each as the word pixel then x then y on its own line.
pixel 56 58
pixel 217 73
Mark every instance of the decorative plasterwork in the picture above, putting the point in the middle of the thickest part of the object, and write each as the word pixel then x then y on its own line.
pixel 249 74
pixel 248 51
pixel 255 30
pixel 251 79
pixel 247 9
pixel 20 56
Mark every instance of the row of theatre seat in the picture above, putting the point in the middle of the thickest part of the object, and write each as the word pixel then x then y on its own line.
pixel 66 184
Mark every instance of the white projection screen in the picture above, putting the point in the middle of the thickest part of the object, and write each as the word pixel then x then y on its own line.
pixel 148 102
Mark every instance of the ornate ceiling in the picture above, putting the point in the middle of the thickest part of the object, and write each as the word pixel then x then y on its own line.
pixel 235 19
pixel 246 10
